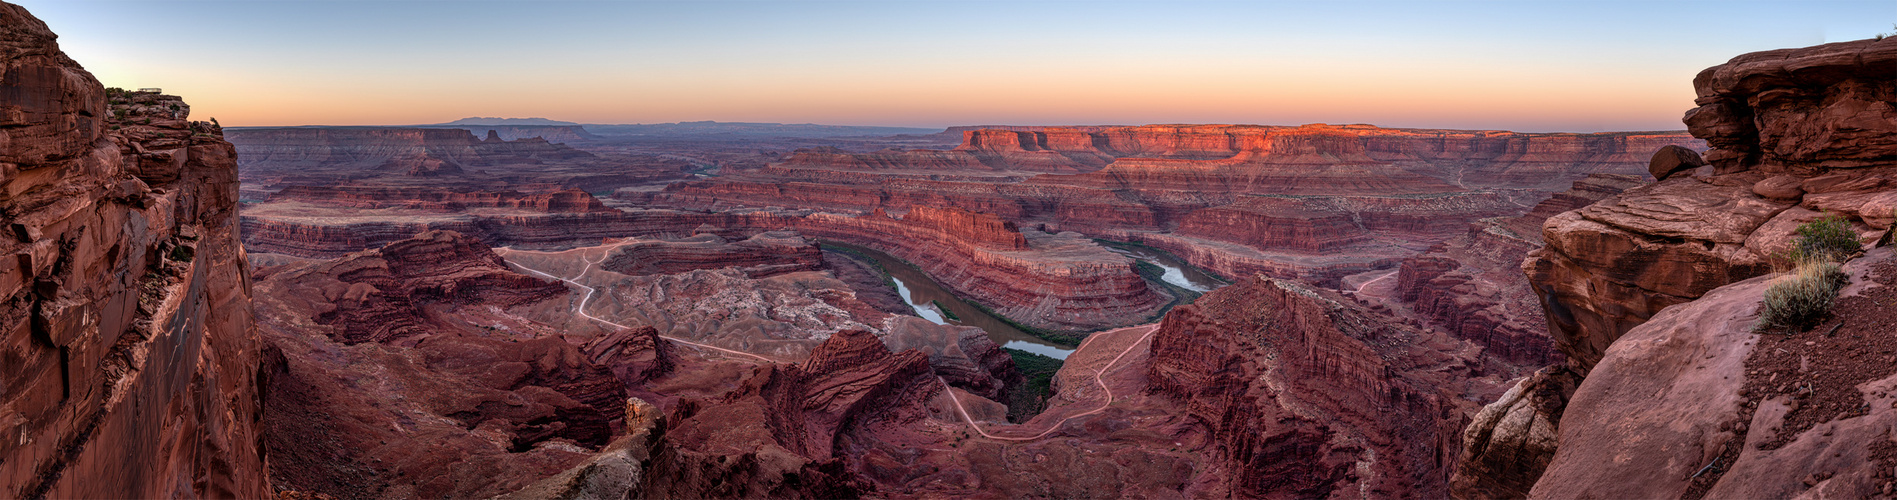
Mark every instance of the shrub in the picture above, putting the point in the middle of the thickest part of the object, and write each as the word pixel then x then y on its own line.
pixel 1827 239
pixel 1802 299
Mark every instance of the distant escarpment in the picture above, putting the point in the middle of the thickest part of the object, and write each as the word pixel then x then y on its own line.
pixel 1655 288
pixel 1315 202
pixel 1302 393
pixel 557 134
pixel 418 151
pixel 439 200
pixel 274 159
pixel 130 366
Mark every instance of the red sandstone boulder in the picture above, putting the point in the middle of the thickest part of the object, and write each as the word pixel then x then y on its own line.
pixel 1782 187
pixel 1673 159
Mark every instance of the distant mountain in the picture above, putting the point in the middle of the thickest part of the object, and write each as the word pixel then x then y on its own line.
pixel 484 120
pixel 751 129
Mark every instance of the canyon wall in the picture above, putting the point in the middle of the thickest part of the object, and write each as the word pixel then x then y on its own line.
pixel 130 366
pixel 1473 285
pixel 1301 393
pixel 1795 134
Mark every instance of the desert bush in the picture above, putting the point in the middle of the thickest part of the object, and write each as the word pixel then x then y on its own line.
pixel 1802 299
pixel 1829 238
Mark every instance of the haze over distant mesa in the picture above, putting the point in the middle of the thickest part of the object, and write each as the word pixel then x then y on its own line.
pixel 669 254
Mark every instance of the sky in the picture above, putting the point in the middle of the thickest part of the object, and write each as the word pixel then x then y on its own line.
pixel 1538 65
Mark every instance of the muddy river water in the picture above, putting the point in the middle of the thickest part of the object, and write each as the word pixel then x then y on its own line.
pixel 929 299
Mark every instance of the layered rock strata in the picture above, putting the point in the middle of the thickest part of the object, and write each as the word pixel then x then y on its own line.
pixel 1795 133
pixel 420 159
pixel 811 414
pixel 1315 202
pixel 438 200
pixel 412 371
pixel 1473 285
pixel 1817 118
pixel 129 367
pixel 1302 393
pixel 763 255
pixel 1055 282
pixel 393 149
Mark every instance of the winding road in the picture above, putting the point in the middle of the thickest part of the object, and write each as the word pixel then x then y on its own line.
pixel 581 308
pixel 1108 400
pixel 1366 284
pixel 1097 376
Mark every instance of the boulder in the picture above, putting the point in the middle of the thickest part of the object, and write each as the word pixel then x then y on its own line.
pixel 1673 159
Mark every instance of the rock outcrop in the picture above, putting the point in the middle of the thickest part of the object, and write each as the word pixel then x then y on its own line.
pixel 1694 404
pixel 556 134
pixel 129 367
pixel 1819 114
pixel 1794 133
pixel 379 295
pixel 1473 285
pixel 1302 393
pixel 788 431
pixel 963 356
pixel 413 371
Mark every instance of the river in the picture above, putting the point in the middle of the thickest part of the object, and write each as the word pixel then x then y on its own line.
pixel 1178 272
pixel 923 293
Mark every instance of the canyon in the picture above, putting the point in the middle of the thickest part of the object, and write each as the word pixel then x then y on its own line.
pixel 537 309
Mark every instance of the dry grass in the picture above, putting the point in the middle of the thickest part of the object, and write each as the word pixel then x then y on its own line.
pixel 1803 299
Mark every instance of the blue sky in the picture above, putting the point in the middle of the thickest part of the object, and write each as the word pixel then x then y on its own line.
pixel 1533 66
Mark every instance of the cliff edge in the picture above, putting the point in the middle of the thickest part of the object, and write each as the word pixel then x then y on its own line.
pixel 1795 134
pixel 129 367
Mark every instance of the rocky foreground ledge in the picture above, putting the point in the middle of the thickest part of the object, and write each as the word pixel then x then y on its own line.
pixel 1652 276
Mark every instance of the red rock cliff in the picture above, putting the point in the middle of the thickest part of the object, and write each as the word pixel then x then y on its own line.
pixel 1305 395
pixel 129 367
pixel 1794 133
